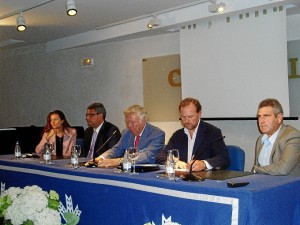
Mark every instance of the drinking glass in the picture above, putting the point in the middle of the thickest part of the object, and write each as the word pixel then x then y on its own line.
pixel 51 147
pixel 133 155
pixel 77 149
pixel 75 153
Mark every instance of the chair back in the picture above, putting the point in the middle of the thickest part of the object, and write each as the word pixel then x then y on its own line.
pixel 237 158
pixel 79 141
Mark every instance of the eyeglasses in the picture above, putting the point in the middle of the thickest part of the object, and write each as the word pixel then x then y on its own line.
pixel 91 114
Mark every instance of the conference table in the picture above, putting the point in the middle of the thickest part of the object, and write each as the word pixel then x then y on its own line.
pixel 110 197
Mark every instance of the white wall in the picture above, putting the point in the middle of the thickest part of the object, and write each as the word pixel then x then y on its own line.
pixel 35 82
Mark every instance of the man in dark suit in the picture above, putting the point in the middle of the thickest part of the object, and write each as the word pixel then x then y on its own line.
pixel 148 139
pixel 198 141
pixel 99 132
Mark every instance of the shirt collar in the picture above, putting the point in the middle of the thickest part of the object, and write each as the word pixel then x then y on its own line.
pixel 98 128
pixel 186 131
pixel 272 138
pixel 142 131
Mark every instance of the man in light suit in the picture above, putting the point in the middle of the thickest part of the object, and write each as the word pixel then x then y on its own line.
pixel 148 139
pixel 106 133
pixel 198 141
pixel 277 150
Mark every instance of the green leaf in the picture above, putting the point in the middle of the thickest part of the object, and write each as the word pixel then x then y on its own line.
pixel 53 204
pixel 53 195
pixel 28 222
pixel 71 218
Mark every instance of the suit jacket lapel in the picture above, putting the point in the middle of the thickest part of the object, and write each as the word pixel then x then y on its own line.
pixel 199 137
pixel 282 128
pixel 99 133
pixel 142 143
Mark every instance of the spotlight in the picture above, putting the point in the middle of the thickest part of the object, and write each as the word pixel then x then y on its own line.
pixel 221 7
pixel 154 22
pixel 71 8
pixel 214 7
pixel 21 25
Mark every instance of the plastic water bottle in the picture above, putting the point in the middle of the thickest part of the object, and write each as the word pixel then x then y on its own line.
pixel 17 151
pixel 74 159
pixel 170 166
pixel 47 154
pixel 126 163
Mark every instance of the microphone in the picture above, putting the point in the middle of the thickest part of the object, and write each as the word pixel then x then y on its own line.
pixel 192 177
pixel 92 163
pixel 103 145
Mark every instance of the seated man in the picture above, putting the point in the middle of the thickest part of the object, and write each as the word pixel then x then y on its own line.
pixel 198 141
pixel 100 135
pixel 148 139
pixel 277 150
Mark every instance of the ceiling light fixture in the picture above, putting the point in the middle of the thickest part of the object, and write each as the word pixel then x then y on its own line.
pixel 221 7
pixel 214 7
pixel 154 22
pixel 71 8
pixel 21 25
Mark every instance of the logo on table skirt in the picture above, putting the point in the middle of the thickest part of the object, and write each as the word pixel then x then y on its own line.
pixel 69 204
pixel 165 221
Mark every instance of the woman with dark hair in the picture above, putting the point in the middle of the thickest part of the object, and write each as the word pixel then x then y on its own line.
pixel 58 132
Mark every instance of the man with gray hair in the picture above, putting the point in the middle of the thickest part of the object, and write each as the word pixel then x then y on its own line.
pixel 277 150
pixel 100 135
pixel 148 139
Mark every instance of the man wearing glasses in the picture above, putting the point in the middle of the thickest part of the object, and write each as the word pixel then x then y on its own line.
pixel 100 135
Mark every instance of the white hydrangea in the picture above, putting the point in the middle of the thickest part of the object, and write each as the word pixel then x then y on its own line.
pixel 13 192
pixel 30 203
pixel 47 217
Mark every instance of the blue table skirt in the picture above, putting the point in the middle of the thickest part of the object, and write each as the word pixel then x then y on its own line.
pixel 106 197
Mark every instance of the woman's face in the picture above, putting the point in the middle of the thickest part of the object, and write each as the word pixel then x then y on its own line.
pixel 55 121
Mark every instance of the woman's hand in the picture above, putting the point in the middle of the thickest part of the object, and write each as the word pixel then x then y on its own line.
pixel 50 134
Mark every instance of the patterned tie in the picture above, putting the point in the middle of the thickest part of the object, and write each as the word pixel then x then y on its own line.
pixel 91 151
pixel 137 140
pixel 264 156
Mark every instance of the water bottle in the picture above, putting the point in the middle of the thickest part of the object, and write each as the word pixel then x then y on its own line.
pixel 126 163
pixel 74 158
pixel 170 165
pixel 47 154
pixel 17 151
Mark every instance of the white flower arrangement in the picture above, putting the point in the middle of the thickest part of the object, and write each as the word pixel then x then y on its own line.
pixel 32 206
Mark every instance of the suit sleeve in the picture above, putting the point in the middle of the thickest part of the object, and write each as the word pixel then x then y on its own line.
pixel 117 151
pixel 219 154
pixel 156 141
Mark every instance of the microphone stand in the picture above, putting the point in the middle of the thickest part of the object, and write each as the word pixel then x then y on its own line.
pixel 103 145
pixel 192 177
pixel 93 163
